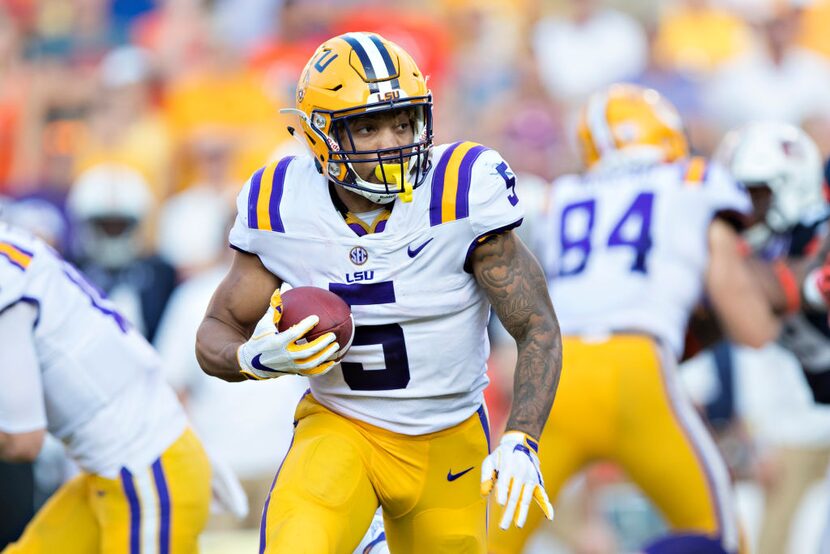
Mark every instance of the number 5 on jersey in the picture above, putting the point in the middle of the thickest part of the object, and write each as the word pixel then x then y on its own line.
pixel 387 340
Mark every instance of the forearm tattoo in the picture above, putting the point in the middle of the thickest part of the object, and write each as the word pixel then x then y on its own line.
pixel 516 287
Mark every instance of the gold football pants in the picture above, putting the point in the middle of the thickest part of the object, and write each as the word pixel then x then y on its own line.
pixel 159 510
pixel 337 471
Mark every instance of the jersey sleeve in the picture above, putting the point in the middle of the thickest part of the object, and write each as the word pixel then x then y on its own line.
pixel 494 202
pixel 14 264
pixel 241 235
pixel 21 391
pixel 258 206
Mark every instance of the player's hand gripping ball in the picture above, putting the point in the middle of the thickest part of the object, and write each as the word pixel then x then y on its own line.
pixel 304 333
pixel 335 316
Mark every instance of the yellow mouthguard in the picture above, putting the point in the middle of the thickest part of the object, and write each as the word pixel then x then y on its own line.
pixel 393 174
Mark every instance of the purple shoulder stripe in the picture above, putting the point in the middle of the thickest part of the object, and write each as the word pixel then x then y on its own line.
pixel 438 186
pixel 462 199
pixel 276 194
pixel 253 197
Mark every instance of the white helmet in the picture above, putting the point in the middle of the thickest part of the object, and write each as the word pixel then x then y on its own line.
pixel 783 158
pixel 108 202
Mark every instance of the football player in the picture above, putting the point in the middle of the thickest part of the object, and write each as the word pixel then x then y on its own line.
pixel 419 240
pixel 73 366
pixel 781 167
pixel 629 247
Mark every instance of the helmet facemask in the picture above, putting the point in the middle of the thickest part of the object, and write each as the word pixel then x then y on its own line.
pixel 399 169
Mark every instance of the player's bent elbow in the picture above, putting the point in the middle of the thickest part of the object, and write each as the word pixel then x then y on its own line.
pixel 21 447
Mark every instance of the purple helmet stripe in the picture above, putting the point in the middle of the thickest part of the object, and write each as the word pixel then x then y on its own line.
pixel 365 62
pixel 387 59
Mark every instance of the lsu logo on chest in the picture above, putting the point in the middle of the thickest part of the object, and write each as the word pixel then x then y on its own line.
pixel 360 276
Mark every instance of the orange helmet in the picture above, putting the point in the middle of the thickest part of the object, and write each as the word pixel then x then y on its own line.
pixel 630 120
pixel 351 75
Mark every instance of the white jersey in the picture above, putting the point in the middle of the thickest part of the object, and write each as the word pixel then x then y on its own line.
pixel 626 250
pixel 418 360
pixel 96 383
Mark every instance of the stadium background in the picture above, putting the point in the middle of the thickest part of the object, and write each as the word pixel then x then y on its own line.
pixel 178 100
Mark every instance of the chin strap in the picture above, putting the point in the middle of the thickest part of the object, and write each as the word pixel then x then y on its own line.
pixel 393 173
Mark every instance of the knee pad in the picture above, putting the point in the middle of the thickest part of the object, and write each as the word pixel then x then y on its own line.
pixel 686 544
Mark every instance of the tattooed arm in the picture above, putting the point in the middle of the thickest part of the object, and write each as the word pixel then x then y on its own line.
pixel 515 284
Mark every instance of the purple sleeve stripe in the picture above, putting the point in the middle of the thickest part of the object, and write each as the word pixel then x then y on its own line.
pixel 438 186
pixel 264 521
pixel 365 294
pixel 467 259
pixel 164 507
pixel 276 194
pixel 135 510
pixel 462 198
pixel 485 424
pixel 253 196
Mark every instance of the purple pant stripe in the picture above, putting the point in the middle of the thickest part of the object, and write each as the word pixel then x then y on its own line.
pixel 135 510
pixel 263 522
pixel 164 507
pixel 665 367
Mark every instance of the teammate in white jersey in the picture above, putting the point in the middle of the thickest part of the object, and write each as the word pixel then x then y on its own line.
pixel 629 247
pixel 418 241
pixel 73 366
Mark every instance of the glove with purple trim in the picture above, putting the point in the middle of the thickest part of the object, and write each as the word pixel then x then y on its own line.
pixel 513 468
pixel 269 353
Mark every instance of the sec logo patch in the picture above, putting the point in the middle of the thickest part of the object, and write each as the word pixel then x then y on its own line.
pixel 358 255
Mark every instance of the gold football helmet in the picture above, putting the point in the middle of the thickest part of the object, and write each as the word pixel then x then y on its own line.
pixel 630 120
pixel 349 76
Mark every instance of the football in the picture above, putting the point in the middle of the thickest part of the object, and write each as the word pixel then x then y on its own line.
pixel 335 315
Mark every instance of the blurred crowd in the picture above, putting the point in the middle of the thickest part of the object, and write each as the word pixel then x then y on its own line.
pixel 128 126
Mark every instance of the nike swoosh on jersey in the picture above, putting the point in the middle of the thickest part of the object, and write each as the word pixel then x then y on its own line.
pixel 417 250
pixel 453 476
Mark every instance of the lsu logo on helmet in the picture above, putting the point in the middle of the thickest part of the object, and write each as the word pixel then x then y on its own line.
pixel 629 120
pixel 349 76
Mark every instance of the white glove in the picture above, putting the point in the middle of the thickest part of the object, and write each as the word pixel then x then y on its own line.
pixel 513 468
pixel 269 354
